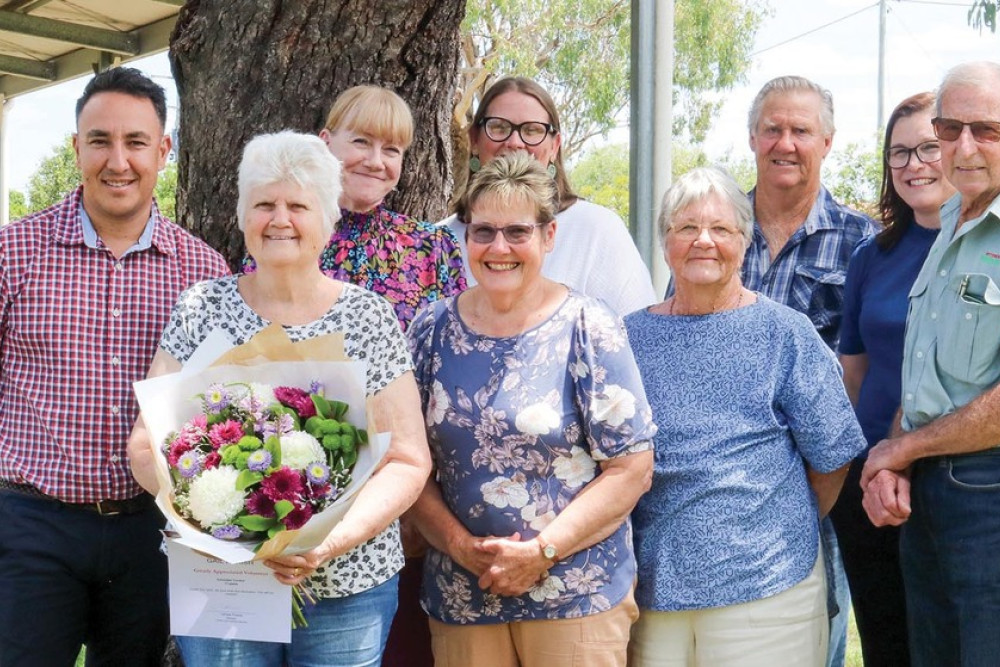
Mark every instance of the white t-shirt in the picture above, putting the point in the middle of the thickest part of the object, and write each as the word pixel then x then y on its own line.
pixel 593 254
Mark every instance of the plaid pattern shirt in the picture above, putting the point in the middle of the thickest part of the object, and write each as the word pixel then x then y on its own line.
pixel 808 274
pixel 77 327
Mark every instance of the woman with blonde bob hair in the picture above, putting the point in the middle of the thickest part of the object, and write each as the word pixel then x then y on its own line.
pixel 288 186
pixel 407 261
pixel 541 435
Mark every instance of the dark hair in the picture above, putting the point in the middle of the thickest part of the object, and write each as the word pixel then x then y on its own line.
pixel 897 215
pixel 129 81
pixel 526 86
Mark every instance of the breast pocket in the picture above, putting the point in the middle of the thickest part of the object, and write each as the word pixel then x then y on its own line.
pixel 970 349
pixel 819 293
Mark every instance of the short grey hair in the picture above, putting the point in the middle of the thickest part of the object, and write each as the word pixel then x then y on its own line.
pixel 979 74
pixel 512 178
pixel 696 186
pixel 290 157
pixel 793 84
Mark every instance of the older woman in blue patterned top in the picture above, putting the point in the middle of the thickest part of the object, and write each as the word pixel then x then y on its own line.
pixel 755 436
pixel 541 434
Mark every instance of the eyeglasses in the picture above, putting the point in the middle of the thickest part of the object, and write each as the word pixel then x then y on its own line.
pixel 899 156
pixel 692 232
pixel 515 234
pixel 532 132
pixel 983 131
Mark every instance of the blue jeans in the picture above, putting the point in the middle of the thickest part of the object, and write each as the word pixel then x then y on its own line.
pixel 950 556
pixel 342 632
pixel 69 576
pixel 838 594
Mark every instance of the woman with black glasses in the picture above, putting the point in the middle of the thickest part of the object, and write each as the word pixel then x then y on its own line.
pixel 595 254
pixel 879 278
pixel 542 437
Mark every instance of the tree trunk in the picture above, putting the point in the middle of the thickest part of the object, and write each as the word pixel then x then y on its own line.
pixel 244 67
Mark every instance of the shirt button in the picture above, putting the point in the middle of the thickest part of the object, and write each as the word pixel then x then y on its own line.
pixel 968 316
pixel 909 397
pixel 943 273
pixel 114 409
pixel 933 316
pixel 115 361
pixel 114 458
pixel 920 355
pixel 118 266
pixel 116 312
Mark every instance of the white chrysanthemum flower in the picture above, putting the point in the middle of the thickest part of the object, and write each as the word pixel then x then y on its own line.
pixel 548 588
pixel 437 404
pixel 537 419
pixel 575 470
pixel 537 521
pixel 617 406
pixel 503 492
pixel 213 498
pixel 299 450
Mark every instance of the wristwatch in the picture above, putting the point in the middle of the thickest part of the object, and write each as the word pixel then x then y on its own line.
pixel 548 550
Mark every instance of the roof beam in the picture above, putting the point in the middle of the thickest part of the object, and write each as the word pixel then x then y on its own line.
pixel 31 69
pixel 86 36
pixel 175 3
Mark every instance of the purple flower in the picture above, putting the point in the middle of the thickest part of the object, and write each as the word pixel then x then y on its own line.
pixel 317 473
pixel 297 517
pixel 283 484
pixel 259 460
pixel 227 532
pixel 316 387
pixel 189 464
pixel 285 424
pixel 216 399
pixel 177 449
pixel 297 400
pixel 258 503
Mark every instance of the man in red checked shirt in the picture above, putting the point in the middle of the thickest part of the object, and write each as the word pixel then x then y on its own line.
pixel 86 287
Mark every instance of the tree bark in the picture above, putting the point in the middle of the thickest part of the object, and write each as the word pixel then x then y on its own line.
pixel 244 67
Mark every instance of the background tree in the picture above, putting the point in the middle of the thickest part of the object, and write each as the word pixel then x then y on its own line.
pixel 983 13
pixel 243 67
pixel 166 191
pixel 57 175
pixel 854 175
pixel 17 206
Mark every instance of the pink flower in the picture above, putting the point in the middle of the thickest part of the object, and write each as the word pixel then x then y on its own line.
pixel 260 504
pixel 195 429
pixel 178 448
pixel 283 484
pixel 212 460
pixel 296 399
pixel 297 517
pixel 226 433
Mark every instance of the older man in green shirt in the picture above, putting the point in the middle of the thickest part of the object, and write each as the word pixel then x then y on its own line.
pixel 940 475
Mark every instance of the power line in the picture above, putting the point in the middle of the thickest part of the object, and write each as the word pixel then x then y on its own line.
pixel 809 32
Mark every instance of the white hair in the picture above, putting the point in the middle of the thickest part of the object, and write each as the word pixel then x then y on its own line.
pixel 699 184
pixel 983 74
pixel 793 84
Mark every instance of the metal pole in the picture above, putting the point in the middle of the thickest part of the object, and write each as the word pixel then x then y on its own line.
pixel 641 127
pixel 5 105
pixel 882 12
pixel 662 131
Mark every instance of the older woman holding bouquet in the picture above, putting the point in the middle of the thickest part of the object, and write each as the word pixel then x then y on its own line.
pixel 755 437
pixel 409 262
pixel 287 186
pixel 541 434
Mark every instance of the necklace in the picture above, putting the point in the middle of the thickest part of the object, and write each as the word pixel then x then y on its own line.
pixel 739 302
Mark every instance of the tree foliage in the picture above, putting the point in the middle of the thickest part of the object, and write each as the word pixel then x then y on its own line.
pixel 854 175
pixel 166 191
pixel 983 14
pixel 57 175
pixel 601 176
pixel 579 51
pixel 17 206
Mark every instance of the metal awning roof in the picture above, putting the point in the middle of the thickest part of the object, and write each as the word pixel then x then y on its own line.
pixel 44 42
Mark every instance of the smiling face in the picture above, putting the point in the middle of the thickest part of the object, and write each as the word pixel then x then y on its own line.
pixel 921 185
pixel 500 266
pixel 370 167
pixel 789 142
pixel 711 259
pixel 120 147
pixel 516 108
pixel 284 226
pixel 972 167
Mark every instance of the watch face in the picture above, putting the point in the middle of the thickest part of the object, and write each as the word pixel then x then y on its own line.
pixel 549 551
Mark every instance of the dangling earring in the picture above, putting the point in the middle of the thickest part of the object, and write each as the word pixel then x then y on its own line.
pixel 551 169
pixel 474 164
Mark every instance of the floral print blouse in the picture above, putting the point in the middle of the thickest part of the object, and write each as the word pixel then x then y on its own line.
pixel 407 261
pixel 517 427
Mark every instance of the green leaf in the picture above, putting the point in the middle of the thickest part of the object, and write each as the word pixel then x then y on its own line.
pixel 273 446
pixel 339 409
pixel 283 507
pixel 322 405
pixel 248 478
pixel 255 522
pixel 274 530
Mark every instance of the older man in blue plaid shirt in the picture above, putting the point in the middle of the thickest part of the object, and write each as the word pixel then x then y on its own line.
pixel 802 242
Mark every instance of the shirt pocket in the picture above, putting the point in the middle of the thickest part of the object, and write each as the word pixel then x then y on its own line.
pixel 818 292
pixel 968 349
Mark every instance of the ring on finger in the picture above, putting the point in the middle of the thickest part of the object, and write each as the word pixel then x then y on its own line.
pixel 297 571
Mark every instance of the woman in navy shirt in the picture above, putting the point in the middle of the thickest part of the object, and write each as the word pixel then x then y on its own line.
pixel 879 277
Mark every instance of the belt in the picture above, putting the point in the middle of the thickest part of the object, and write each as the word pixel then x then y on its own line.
pixel 134 505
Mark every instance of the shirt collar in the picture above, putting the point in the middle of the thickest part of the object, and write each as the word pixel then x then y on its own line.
pixel 819 215
pixel 952 208
pixel 154 235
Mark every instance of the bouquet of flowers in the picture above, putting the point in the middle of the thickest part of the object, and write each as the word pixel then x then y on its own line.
pixel 257 460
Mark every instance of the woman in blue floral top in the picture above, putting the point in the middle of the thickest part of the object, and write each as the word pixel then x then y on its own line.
pixel 541 435
pixel 407 261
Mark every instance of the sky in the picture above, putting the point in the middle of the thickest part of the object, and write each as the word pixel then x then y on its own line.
pixel 832 42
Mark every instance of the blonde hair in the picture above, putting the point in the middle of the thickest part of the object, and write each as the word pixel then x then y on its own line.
pixel 511 179
pixel 375 111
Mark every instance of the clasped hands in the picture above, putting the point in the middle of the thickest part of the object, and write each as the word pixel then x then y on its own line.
pixel 885 481
pixel 505 565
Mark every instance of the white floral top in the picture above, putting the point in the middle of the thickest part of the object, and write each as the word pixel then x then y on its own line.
pixel 517 427
pixel 371 334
